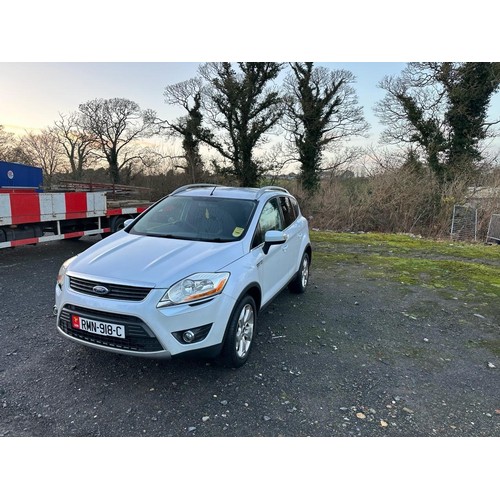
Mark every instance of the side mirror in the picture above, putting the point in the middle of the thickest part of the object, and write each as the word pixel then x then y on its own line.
pixel 273 238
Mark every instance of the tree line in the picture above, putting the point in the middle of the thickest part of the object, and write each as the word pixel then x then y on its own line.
pixel 245 120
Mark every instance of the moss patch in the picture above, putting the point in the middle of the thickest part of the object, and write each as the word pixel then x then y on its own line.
pixel 404 244
pixel 492 345
pixel 467 268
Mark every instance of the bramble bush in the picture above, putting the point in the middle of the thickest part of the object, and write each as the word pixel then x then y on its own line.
pixel 395 201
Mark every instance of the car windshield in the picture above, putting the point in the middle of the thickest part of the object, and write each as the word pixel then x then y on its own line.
pixel 197 218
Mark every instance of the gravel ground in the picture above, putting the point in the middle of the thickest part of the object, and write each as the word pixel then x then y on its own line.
pixel 353 356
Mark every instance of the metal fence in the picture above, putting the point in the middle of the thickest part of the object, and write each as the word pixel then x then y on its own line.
pixel 464 223
pixel 494 229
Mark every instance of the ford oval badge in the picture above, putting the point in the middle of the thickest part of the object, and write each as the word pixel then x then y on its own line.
pixel 100 290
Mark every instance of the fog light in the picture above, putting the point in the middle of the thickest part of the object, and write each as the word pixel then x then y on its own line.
pixel 54 311
pixel 188 336
pixel 192 335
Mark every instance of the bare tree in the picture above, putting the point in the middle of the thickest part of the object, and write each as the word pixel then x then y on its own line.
pixel 116 124
pixel 78 145
pixel 10 148
pixel 142 160
pixel 6 144
pixel 321 112
pixel 187 94
pixel 276 160
pixel 43 150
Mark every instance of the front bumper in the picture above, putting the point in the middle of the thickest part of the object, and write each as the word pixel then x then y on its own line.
pixel 150 332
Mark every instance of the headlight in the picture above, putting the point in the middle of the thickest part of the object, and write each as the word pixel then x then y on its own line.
pixel 196 287
pixel 62 271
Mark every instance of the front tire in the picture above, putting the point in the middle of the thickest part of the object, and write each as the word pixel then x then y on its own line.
pixel 240 332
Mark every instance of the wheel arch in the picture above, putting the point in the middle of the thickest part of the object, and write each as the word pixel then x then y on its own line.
pixel 254 290
pixel 308 250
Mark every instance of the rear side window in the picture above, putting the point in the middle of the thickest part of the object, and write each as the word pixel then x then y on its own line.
pixel 288 209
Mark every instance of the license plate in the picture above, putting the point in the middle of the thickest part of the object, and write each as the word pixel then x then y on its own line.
pixel 98 327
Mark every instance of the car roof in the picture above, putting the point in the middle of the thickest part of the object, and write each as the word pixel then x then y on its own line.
pixel 219 191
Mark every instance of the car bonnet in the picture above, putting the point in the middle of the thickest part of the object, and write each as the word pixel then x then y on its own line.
pixel 152 261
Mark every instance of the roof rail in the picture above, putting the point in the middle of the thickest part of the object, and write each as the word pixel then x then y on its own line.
pixel 264 189
pixel 193 186
pixel 259 193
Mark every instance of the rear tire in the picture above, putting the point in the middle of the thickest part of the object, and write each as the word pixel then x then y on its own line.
pixel 118 223
pixel 240 332
pixel 299 283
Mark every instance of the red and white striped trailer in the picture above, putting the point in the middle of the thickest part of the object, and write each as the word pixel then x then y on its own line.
pixel 27 218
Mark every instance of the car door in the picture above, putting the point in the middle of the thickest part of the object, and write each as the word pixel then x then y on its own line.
pixel 272 267
pixel 294 231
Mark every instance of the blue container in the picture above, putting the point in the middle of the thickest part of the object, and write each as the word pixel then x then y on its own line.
pixel 19 176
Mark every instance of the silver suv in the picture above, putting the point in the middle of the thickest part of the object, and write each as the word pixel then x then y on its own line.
pixel 188 276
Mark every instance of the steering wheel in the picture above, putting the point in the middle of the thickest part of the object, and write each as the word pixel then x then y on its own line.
pixel 185 225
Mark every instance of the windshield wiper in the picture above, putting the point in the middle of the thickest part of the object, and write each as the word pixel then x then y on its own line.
pixel 189 238
pixel 169 236
pixel 219 240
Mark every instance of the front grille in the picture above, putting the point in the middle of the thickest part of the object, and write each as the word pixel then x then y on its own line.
pixel 118 292
pixel 138 337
